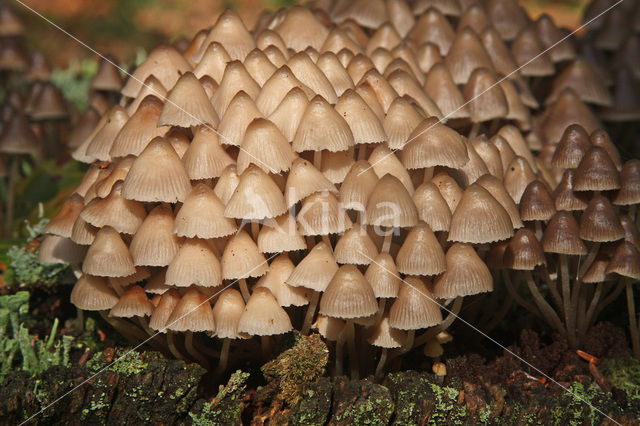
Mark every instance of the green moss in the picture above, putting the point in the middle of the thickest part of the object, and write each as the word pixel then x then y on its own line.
pixel 624 373
pixel 303 363
pixel 226 407
pixel 125 361
pixel 446 407
pixel 361 403
pixel 578 406
pixel 314 404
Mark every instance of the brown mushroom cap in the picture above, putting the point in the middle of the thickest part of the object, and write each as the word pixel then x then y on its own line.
pixel 536 202
pixel 348 295
pixel 108 256
pixel 202 215
pixel 562 235
pixel 385 336
pixel 155 244
pixel 316 270
pixel 263 316
pixel 390 204
pixel 625 261
pixel 434 144
pixel 227 312
pixel 599 221
pixel 596 172
pixel 524 251
pixel 93 294
pixel 571 148
pixel 133 303
pixel 242 259
pixel 355 247
pixel 192 313
pixel 629 192
pixel 421 253
pixel 465 274
pixel 194 263
pixel 415 307
pixel 161 313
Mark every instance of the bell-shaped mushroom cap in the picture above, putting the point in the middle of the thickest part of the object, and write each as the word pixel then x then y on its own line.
pixel 202 215
pixel 400 121
pixel 161 313
pixel 440 87
pixel 83 127
pixel 564 197
pixel 434 144
pixel 445 7
pixel 335 72
pixel 195 263
pixel 466 274
pixel 263 316
pixel 152 86
pixel 415 307
pixel 513 136
pixel 280 234
pixel 62 223
pixel 56 249
pixel 600 137
pixel 330 328
pixel 553 38
pixel 599 221
pixel 536 202
pixel 124 216
pixel 265 146
pixel 364 124
pixel 241 111
pixel 164 62
pixel 242 259
pixel 567 110
pixel 155 244
pixel 83 233
pixel 384 161
pixel 507 16
pixel 192 313
pixel 300 29
pixel 421 253
pixel 133 303
pixel 108 256
pixel 322 128
pixel 355 247
pixel 524 251
pixel 276 89
pixel 155 284
pixel 597 271
pixel 236 78
pixel 348 295
pixel 405 85
pixel 316 270
pixel 357 186
pixel 596 172
pixel 391 205
pixel 631 232
pixel 227 184
pixel 516 109
pixel 157 175
pixel 257 197
pixel 259 66
pixel 625 261
pixel 139 129
pixel 485 97
pixel 116 171
pixel 384 336
pixel 10 24
pixel 230 32
pixel 303 180
pixel 579 76
pixel 629 192
pixel 432 207
pixel 501 57
pixel 213 62
pixel 530 54
pixel 321 214
pixel 289 112
pixel 188 105
pixel 336 165
pixel 205 158
pixel 448 188
pixel 479 218
pixel 142 273
pixel 93 294
pixel 490 155
pixel 286 295
pixel 310 75
pixel 383 276
pixel 473 169
pixel 571 148
pixel 626 106
pixel 518 175
pixel 466 55
pixel 433 27
pixel 18 138
pixel 227 312
pixel 562 235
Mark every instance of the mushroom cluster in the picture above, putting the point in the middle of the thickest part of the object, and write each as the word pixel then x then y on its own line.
pixel 350 167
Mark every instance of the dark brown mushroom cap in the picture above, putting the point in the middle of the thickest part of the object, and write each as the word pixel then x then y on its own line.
pixel 553 38
pixel 629 192
pixel 599 222
pixel 564 196
pixel 18 138
pixel 562 235
pixel 524 251
pixel 571 148
pixel 625 261
pixel 596 172
pixel 600 137
pixel 631 232
pixel 626 102
pixel 536 202
pixel 107 77
pixel 38 67
pixel 584 81
pixel 12 57
pixel 495 256
pixel 567 110
pixel 10 24
pixel 49 105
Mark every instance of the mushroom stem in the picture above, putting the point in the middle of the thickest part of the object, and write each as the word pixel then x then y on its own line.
pixel 224 356
pixel 553 288
pixel 445 324
pixel 362 152
pixel 633 321
pixel 80 319
pixel 340 354
pixel 317 159
pixel 265 341
pixel 381 306
pixel 381 363
pixel 475 128
pixel 493 127
pixel 244 289
pixel 607 300
pixel 427 175
pixel 589 260
pixel 191 350
pixel 255 229
pixel 351 343
pixel 632 212
pixel 128 330
pixel 569 314
pixel 311 312
pixel 326 240
pixel 550 316
pixel 585 320
pixel 386 244
pixel 513 291
pixel 172 345
pixel 11 193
